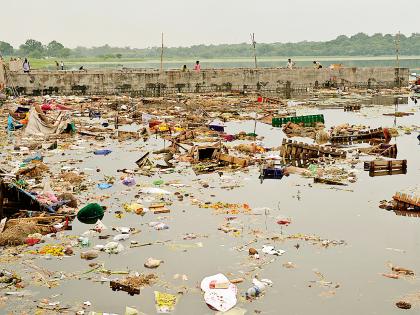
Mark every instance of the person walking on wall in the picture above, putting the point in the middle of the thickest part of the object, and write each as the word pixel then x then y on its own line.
pixel 62 65
pixel 197 67
pixel 57 65
pixel 317 65
pixel 290 64
pixel 26 66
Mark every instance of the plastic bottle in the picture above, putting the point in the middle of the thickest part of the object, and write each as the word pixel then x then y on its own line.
pixel 84 241
pixel 161 226
pixel 256 289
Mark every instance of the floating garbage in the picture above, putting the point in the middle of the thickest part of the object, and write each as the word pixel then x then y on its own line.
pixel 90 213
pixel 154 191
pixel 104 185
pixel 219 292
pixel 165 302
pixel 102 152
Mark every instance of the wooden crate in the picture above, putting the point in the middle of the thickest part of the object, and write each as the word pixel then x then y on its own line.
pixel 381 168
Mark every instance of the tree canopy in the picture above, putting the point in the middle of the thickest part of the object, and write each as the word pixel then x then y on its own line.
pixel 359 44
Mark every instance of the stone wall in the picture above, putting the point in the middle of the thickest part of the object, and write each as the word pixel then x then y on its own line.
pixel 154 83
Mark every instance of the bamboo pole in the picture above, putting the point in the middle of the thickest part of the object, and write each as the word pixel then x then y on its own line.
pixel 161 56
pixel 253 42
pixel 1 199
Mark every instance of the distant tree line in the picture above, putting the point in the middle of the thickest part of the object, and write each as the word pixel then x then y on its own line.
pixel 35 49
pixel 357 45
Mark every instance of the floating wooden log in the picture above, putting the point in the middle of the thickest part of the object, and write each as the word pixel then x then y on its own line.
pixel 391 167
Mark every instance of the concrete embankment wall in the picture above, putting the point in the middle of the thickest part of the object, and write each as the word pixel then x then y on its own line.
pixel 154 83
pixel 2 75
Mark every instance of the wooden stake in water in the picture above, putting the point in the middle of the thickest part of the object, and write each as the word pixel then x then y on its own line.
pixel 397 52
pixel 255 126
pixel 397 49
pixel 161 55
pixel 253 43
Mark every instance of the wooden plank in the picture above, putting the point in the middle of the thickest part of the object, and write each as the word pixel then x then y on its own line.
pixel 383 173
pixel 2 224
pixel 233 159
pixel 2 193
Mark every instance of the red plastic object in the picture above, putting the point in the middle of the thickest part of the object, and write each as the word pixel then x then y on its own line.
pixel 284 222
pixel 154 123
pixel 32 241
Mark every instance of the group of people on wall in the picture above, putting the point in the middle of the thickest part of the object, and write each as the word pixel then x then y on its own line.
pixel 197 66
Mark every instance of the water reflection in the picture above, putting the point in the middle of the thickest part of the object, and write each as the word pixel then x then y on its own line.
pixel 232 63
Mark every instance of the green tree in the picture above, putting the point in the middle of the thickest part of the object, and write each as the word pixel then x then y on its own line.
pixel 65 52
pixel 32 48
pixel 6 49
pixel 55 49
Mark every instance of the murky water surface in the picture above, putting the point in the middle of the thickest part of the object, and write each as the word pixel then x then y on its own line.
pixel 346 213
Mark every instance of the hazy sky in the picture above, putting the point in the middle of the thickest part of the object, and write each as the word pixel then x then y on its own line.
pixel 139 23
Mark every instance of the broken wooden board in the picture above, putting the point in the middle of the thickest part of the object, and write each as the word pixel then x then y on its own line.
pixel 405 213
pixel 384 149
pixel 144 161
pixel 2 224
pixel 159 208
pixel 404 201
pixel 242 162
pixel 116 286
pixel 328 181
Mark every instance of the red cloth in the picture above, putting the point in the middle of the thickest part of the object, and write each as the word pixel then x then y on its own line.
pixel 46 107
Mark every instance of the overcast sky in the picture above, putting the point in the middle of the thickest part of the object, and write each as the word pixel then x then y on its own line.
pixel 139 23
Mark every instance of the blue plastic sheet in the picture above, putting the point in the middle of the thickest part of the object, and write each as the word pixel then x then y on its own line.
pixel 102 152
